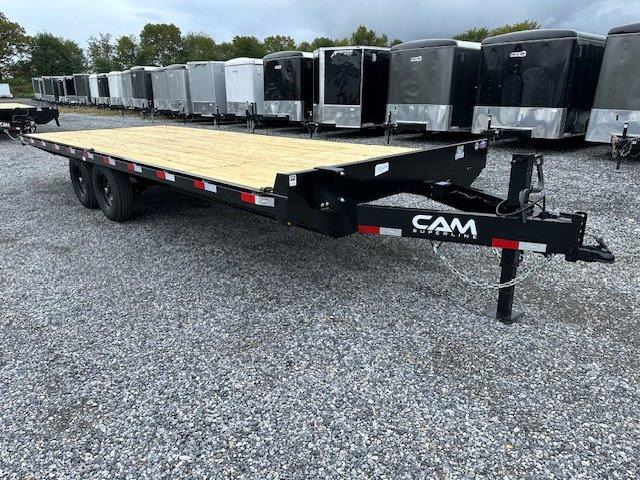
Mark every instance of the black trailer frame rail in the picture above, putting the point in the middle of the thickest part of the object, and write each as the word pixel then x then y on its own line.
pixel 24 120
pixel 335 201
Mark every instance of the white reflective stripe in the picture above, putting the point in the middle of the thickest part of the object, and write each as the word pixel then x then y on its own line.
pixel 169 176
pixel 44 144
pixel 265 201
pixel 72 151
pixel 56 146
pixel 137 168
pixel 533 247
pixel 210 187
pixel 90 155
pixel 32 140
pixel 394 232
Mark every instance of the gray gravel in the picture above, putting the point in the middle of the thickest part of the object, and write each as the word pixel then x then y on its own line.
pixel 203 342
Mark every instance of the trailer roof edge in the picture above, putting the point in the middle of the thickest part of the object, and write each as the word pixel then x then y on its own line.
pixel 544 34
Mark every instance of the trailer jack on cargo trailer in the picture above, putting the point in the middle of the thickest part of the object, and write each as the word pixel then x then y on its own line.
pixel 294 182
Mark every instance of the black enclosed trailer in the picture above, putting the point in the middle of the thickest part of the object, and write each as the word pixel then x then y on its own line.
pixel 615 117
pixel 538 83
pixel 141 88
pixel 49 89
pixel 83 90
pixel 69 90
pixel 350 86
pixel 59 85
pixel 288 86
pixel 37 85
pixel 327 187
pixel 18 118
pixel 432 84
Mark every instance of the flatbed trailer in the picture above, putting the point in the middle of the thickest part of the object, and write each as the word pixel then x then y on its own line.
pixel 327 187
pixel 19 118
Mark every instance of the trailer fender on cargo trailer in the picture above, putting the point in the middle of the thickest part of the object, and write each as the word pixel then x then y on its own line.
pixel 327 187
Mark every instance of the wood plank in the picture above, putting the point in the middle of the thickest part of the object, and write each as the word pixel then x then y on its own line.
pixel 13 106
pixel 230 157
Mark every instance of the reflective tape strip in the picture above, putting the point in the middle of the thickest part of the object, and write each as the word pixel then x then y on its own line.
pixel 257 199
pixel 202 185
pixel 132 167
pixel 376 230
pixel 72 151
pixel 170 177
pixel 533 247
pixel 517 245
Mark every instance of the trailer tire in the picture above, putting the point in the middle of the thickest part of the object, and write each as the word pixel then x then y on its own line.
pixel 82 182
pixel 114 193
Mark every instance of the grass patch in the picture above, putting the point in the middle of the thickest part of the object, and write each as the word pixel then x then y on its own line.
pixel 100 112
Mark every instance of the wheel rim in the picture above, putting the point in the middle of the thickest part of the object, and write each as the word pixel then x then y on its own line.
pixel 80 180
pixel 105 190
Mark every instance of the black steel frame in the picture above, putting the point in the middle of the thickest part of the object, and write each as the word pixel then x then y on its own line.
pixel 24 120
pixel 335 201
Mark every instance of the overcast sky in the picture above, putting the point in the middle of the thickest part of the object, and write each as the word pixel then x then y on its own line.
pixel 306 19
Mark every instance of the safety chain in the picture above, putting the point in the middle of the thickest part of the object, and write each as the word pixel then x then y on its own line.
pixel 490 286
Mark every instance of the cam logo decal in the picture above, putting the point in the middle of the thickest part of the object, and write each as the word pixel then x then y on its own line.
pixel 441 227
pixel 521 54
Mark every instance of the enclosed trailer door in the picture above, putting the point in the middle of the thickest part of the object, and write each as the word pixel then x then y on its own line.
pixel 375 86
pixel 619 84
pixel 342 77
pixel 527 74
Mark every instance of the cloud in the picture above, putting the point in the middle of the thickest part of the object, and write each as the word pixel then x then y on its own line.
pixel 306 19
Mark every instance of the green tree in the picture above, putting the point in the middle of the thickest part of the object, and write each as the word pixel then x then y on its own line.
pixel 305 47
pixel 160 44
pixel 278 43
pixel 478 34
pixel 102 53
pixel 51 55
pixel 364 36
pixel 246 46
pixel 224 51
pixel 516 27
pixel 14 45
pixel 127 52
pixel 395 41
pixel 198 46
pixel 320 42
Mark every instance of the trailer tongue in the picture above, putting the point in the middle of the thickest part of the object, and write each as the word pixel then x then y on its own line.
pixel 328 186
pixel 18 118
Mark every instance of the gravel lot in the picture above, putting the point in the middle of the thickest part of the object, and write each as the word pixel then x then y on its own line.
pixel 203 342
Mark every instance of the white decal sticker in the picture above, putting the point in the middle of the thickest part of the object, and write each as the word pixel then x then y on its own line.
pixel 381 168
pixel 293 180
pixel 460 152
pixel 521 54
pixel 416 59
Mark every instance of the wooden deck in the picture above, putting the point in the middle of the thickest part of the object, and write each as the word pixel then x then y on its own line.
pixel 234 158
pixel 13 106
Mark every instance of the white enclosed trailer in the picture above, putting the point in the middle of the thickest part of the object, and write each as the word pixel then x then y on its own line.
pixel 244 86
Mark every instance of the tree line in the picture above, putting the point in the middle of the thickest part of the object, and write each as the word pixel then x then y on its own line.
pixel 23 56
